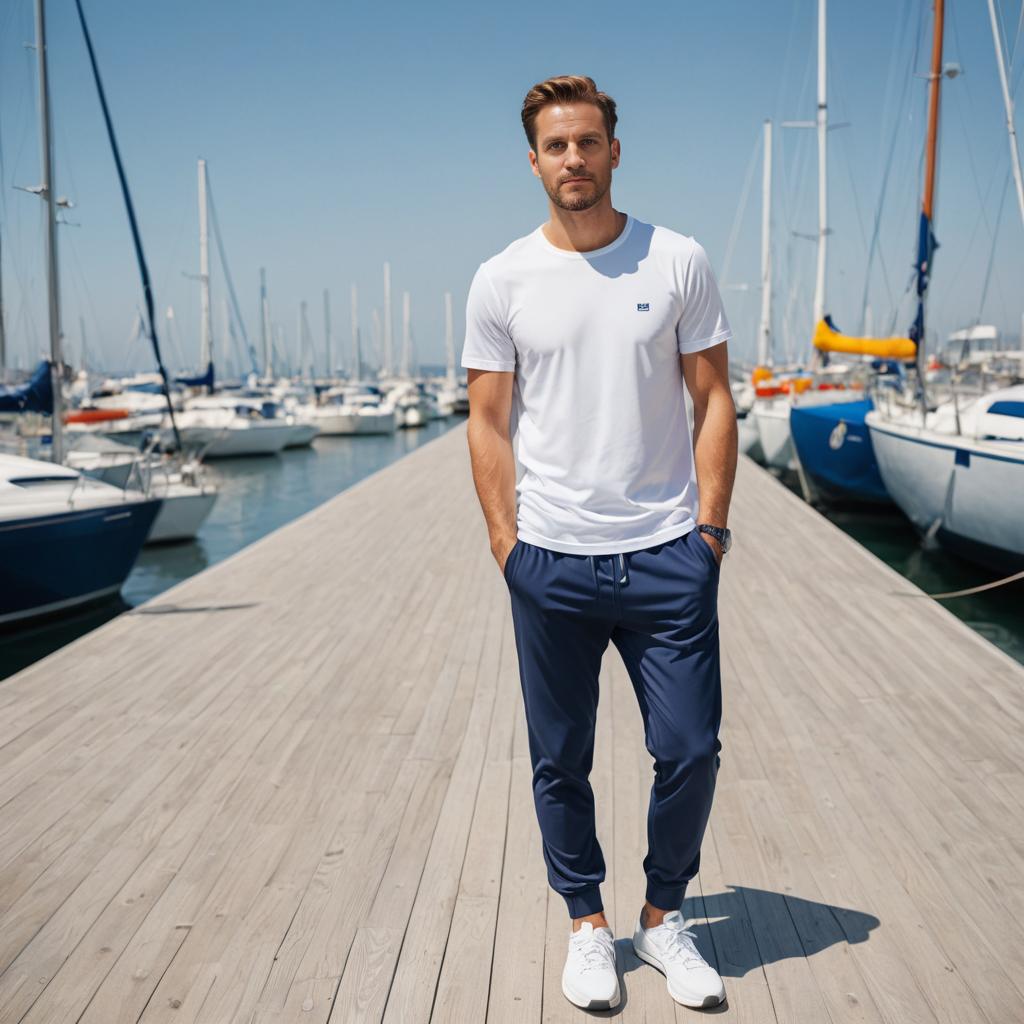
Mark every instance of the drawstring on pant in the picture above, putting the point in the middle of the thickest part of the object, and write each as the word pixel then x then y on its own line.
pixel 619 577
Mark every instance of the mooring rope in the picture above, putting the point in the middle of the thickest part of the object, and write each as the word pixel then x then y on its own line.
pixel 970 590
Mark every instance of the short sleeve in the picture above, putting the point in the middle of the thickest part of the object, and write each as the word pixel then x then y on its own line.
pixel 488 345
pixel 703 322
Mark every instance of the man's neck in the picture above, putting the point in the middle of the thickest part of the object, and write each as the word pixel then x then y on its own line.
pixel 584 230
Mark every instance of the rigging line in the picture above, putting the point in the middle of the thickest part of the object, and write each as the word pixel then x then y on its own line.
pixel 787 63
pixel 982 199
pixel 856 201
pixel 740 211
pixel 992 251
pixel 136 237
pixel 1016 38
pixel 227 272
pixel 1004 36
pixel 164 277
pixel 80 268
pixel 887 169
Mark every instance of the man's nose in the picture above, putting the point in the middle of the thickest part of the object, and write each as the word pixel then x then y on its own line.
pixel 573 157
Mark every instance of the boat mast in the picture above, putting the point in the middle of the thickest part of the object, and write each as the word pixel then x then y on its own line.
pixel 821 121
pixel 449 339
pixel 926 243
pixel 1008 105
pixel 387 319
pixel 357 355
pixel 265 332
pixel 406 339
pixel 764 334
pixel 46 190
pixel 206 354
pixel 3 332
pixel 327 332
pixel 376 337
pixel 82 359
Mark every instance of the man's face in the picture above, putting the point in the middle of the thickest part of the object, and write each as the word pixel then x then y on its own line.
pixel 574 159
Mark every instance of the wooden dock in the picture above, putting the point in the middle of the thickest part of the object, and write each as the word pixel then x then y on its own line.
pixel 296 788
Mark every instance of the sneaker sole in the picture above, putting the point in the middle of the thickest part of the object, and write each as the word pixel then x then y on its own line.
pixel 704 1003
pixel 593 1004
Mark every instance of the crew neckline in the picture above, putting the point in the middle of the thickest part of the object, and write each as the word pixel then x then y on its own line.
pixel 575 254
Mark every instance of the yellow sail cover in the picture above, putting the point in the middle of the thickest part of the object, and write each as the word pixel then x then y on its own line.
pixel 828 339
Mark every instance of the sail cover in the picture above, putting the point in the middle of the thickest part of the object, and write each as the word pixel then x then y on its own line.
pixel 34 396
pixel 206 380
pixel 828 339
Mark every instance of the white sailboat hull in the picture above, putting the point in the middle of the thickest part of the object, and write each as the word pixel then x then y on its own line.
pixel 750 438
pixel 967 493
pixel 302 435
pixel 772 420
pixel 183 511
pixel 228 442
pixel 342 423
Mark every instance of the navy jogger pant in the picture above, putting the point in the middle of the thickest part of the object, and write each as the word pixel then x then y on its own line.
pixel 659 606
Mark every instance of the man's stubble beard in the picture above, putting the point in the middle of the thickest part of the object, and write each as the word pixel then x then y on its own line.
pixel 578 201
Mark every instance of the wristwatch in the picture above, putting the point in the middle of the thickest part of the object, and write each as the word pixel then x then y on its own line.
pixel 723 536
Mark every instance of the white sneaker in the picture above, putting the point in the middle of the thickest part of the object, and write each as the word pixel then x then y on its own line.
pixel 589 979
pixel 670 948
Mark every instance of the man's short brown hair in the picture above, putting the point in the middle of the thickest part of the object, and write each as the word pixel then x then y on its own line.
pixel 566 89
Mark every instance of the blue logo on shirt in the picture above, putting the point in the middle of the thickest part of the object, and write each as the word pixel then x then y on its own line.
pixel 643 307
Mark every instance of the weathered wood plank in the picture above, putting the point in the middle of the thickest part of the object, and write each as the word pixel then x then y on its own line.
pixel 296 787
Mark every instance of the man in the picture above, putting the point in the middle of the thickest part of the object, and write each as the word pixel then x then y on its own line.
pixel 579 338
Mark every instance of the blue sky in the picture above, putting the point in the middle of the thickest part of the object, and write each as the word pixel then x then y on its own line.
pixel 342 134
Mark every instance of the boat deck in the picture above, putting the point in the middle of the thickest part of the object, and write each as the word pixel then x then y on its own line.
pixel 296 788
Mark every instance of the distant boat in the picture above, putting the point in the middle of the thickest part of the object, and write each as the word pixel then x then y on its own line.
pixel 354 409
pixel 219 426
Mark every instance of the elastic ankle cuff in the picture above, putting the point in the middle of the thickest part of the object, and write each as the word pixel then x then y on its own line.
pixel 666 897
pixel 584 901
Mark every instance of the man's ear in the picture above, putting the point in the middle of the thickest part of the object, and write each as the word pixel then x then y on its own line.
pixel 533 164
pixel 616 152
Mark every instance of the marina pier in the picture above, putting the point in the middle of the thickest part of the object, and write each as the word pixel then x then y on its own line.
pixel 296 788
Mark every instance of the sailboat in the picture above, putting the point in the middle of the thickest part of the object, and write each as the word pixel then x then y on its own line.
pixel 222 425
pixel 447 392
pixel 776 395
pixel 833 443
pixel 745 393
pixel 957 469
pixel 185 499
pixel 65 540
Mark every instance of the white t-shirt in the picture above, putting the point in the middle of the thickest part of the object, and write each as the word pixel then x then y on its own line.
pixel 599 424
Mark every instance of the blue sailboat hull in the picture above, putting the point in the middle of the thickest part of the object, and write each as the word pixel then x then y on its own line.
pixel 52 563
pixel 835 451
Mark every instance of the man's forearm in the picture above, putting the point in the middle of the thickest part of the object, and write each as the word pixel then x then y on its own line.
pixel 715 446
pixel 494 475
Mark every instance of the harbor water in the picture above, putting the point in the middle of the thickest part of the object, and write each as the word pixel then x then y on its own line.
pixel 258 495
pixel 997 614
